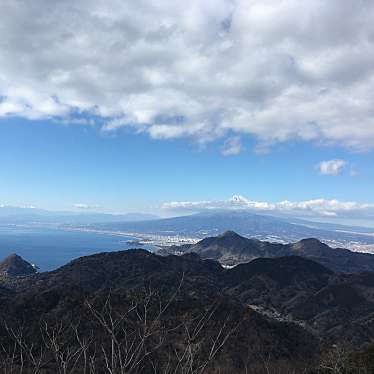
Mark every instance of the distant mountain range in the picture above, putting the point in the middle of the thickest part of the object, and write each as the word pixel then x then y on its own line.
pixel 200 225
pixel 17 215
pixel 262 227
pixel 232 249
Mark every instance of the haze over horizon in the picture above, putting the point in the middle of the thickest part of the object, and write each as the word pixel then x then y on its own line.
pixel 169 109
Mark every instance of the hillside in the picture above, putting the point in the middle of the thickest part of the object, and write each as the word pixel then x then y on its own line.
pixel 178 293
pixel 286 308
pixel 15 265
pixel 231 249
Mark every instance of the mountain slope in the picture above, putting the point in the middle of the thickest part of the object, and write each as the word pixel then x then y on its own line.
pixel 15 266
pixel 231 249
pixel 280 307
pixel 336 307
pixel 125 278
pixel 213 223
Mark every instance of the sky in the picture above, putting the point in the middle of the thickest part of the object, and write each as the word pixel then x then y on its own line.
pixel 164 107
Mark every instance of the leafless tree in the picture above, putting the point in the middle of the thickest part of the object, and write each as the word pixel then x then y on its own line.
pixel 135 337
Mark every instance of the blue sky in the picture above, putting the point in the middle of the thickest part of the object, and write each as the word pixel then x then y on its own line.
pixel 56 166
pixel 157 106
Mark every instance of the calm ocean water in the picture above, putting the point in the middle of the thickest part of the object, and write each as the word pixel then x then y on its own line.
pixel 51 248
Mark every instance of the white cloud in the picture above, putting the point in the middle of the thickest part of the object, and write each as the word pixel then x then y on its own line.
pixel 278 70
pixel 232 146
pixel 332 167
pixel 315 207
pixel 85 206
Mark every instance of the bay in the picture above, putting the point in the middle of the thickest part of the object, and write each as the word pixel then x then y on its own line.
pixel 50 248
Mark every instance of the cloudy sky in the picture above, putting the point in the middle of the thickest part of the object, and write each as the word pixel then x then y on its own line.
pixel 139 105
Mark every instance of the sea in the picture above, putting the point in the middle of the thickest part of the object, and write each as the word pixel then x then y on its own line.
pixel 50 248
